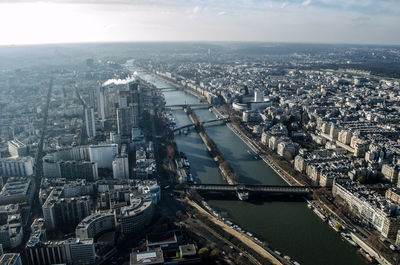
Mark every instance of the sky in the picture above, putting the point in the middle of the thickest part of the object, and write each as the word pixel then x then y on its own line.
pixel 309 21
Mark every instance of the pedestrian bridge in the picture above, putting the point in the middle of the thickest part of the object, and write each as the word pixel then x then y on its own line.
pixel 254 189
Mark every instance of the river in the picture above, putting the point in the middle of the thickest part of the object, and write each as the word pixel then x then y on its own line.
pixel 289 227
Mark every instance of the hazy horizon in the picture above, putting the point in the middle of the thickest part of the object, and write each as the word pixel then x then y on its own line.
pixel 197 41
pixel 26 22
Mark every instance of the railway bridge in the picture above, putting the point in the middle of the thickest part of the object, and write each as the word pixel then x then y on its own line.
pixel 183 106
pixel 245 190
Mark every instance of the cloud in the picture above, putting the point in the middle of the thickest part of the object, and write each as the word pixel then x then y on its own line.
pixel 259 20
pixel 306 3
pixel 362 19
pixel 196 10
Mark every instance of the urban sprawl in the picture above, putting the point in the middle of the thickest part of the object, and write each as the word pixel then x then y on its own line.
pixel 90 172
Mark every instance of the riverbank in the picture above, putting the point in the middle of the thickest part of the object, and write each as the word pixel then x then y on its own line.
pixel 223 165
pixel 192 92
pixel 254 146
pixel 247 241
pixel 355 234
pixel 282 224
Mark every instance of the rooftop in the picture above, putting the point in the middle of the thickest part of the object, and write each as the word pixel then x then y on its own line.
pixel 9 258
pixel 147 257
pixel 16 188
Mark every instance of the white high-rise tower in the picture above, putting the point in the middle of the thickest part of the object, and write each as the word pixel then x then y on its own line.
pixel 90 124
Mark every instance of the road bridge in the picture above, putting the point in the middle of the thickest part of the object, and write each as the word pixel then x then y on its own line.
pixel 254 189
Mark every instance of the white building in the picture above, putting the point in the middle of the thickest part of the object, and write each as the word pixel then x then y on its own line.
pixel 121 167
pixel 90 122
pixel 17 148
pixel 103 154
pixel 16 166
pixel 258 96
pixel 101 106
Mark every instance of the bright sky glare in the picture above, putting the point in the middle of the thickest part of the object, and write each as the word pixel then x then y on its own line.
pixel 320 21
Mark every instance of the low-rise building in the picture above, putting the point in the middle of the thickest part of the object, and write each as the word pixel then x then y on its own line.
pixel 391 172
pixel 17 190
pixel 153 257
pixel 17 148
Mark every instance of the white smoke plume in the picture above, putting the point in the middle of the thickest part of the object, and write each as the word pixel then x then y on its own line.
pixel 120 81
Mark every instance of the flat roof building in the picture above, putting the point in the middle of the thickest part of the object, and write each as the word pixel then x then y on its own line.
pixel 17 148
pixel 95 224
pixel 17 190
pixel 136 216
pixel 10 259
pixel 153 257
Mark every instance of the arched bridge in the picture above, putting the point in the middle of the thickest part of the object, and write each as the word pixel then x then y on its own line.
pixel 224 120
pixel 251 189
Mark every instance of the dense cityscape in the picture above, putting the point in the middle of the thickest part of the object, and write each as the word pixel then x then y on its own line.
pixel 199 153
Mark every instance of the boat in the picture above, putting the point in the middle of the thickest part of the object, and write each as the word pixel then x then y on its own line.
pixel 351 242
pixel 287 258
pixel 242 195
pixel 367 256
pixel 253 154
pixel 338 227
pixel 185 132
pixel 186 163
pixel 319 214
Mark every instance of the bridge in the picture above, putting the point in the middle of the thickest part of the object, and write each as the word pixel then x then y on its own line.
pixel 254 189
pixel 224 120
pixel 206 106
pixel 168 88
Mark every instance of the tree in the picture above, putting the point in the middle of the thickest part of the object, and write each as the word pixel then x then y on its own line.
pixel 215 254
pixel 203 253
pixel 339 227
pixel 241 260
pixel 171 152
pixel 121 241
pixel 362 179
